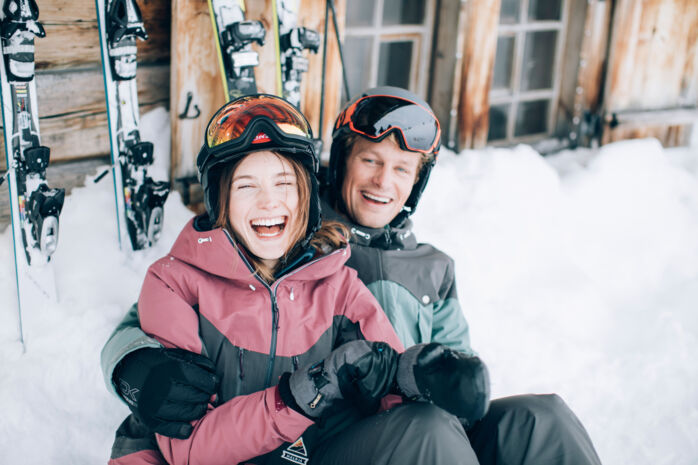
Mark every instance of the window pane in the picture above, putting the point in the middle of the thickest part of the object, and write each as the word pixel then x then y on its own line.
pixel 531 118
pixel 503 63
pixel 538 60
pixel 401 11
pixel 395 64
pixel 499 115
pixel 360 13
pixel 542 10
pixel 357 54
pixel 509 13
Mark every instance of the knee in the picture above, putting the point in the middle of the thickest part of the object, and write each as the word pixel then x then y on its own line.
pixel 431 421
pixel 534 409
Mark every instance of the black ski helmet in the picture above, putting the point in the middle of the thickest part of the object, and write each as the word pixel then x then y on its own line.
pixel 250 124
pixel 374 115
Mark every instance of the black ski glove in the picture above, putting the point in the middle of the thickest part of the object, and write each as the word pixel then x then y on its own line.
pixel 458 383
pixel 358 373
pixel 166 388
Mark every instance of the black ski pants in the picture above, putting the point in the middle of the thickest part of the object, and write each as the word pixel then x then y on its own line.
pixel 519 430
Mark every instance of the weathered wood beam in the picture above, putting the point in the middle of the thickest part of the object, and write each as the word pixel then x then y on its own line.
pixel 478 63
pixel 72 39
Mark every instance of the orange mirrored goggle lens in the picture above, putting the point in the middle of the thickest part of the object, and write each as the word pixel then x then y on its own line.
pixel 231 121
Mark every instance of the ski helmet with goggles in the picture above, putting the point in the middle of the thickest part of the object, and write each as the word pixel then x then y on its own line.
pixel 250 124
pixel 374 115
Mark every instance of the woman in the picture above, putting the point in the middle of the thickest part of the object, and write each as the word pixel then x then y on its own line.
pixel 259 286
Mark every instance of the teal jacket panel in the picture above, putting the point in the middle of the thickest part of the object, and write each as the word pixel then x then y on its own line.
pixel 416 322
pixel 126 338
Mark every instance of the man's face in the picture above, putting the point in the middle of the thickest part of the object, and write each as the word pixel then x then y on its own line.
pixel 378 180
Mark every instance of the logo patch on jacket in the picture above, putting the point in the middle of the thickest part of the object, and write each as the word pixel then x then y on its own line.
pixel 296 452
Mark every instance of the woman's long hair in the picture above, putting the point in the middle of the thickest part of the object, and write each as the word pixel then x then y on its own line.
pixel 331 235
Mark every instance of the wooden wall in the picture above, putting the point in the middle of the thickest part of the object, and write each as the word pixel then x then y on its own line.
pixel 70 87
pixel 623 60
pixel 653 65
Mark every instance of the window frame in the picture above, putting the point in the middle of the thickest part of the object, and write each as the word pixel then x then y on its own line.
pixel 421 35
pixel 513 95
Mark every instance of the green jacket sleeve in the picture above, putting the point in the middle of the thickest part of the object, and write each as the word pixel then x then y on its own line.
pixel 126 338
pixel 449 326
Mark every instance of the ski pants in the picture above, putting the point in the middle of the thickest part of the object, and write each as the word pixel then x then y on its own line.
pixel 519 430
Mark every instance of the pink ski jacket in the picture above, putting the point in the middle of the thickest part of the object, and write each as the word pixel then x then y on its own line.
pixel 203 297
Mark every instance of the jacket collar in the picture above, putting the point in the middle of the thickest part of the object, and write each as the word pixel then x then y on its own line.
pixel 214 251
pixel 388 238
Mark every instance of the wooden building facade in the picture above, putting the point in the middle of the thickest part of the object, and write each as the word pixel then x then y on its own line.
pixel 496 71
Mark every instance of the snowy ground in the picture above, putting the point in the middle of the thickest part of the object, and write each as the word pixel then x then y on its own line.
pixel 578 274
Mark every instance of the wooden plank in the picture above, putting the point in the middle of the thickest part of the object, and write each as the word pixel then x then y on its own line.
pixel 669 136
pixel 76 136
pixel 195 78
pixel 584 58
pixel 446 66
pixel 648 53
pixel 478 63
pixel 72 39
pixel 83 90
pixel 689 87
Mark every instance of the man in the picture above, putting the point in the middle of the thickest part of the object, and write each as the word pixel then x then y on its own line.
pixel 384 145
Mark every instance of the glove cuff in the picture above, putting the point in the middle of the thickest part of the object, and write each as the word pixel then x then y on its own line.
pixel 405 372
pixel 284 388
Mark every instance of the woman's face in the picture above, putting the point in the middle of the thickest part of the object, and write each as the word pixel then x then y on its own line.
pixel 264 205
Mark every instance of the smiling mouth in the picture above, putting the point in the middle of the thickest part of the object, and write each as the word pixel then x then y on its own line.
pixel 376 199
pixel 269 227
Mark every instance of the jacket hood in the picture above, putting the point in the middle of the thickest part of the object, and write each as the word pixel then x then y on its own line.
pixel 388 237
pixel 214 251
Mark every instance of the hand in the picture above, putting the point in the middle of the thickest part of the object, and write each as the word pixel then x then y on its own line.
pixel 166 388
pixel 454 381
pixel 359 373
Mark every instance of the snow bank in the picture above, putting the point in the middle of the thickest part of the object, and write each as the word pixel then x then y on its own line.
pixel 578 274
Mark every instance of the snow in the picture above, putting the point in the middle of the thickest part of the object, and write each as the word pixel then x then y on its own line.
pixel 578 274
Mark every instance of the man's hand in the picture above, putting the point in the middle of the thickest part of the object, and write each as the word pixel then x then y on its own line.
pixel 358 373
pixel 456 382
pixel 166 389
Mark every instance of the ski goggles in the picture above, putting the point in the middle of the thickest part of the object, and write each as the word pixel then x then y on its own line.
pixel 375 116
pixel 231 122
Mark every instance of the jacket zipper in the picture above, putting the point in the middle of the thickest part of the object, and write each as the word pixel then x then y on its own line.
pixel 274 306
pixel 274 333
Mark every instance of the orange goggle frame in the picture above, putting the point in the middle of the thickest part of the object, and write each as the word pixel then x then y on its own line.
pixel 375 116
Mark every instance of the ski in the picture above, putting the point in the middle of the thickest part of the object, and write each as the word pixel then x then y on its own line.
pixel 35 207
pixel 291 40
pixel 139 199
pixel 234 45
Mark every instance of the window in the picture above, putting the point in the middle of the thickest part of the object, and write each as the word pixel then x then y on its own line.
pixel 526 78
pixel 388 42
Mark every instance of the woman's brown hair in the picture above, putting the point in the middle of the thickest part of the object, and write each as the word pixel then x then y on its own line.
pixel 331 235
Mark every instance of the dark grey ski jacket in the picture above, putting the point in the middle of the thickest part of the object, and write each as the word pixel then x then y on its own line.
pixel 413 282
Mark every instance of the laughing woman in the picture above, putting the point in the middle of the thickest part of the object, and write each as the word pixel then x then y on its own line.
pixel 259 287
